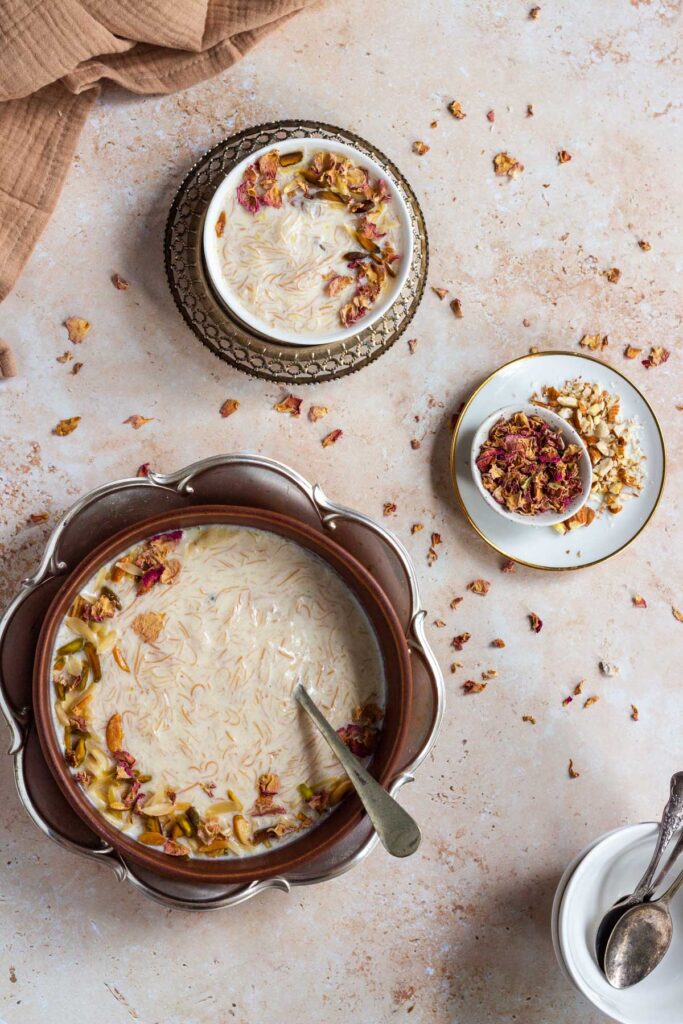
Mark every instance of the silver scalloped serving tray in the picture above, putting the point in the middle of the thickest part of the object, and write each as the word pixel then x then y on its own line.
pixel 239 479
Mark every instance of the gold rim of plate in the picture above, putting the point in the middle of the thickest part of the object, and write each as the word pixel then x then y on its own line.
pixel 226 336
pixel 454 480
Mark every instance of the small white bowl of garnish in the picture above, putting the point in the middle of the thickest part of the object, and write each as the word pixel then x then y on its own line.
pixel 530 465
pixel 307 243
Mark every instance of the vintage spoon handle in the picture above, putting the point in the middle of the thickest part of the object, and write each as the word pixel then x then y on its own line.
pixel 672 818
pixel 398 832
pixel 672 890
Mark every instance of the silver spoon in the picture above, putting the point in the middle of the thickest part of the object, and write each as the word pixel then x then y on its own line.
pixel 640 940
pixel 398 832
pixel 672 819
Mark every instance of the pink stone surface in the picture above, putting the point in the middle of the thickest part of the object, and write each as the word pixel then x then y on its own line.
pixel 459 933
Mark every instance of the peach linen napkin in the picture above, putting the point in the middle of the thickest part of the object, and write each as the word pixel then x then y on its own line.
pixel 53 56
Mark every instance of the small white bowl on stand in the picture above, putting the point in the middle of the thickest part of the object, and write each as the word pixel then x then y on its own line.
pixel 569 435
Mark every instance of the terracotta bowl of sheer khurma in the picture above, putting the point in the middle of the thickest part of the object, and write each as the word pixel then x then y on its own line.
pixel 163 691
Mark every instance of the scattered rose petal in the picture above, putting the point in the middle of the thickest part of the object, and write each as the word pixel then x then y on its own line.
pixel 456 601
pixel 563 157
pixel 77 328
pixel 331 438
pixel 529 718
pixel 76 368
pixel 389 508
pixel 506 166
pixel 535 623
pixel 229 406
pixel 138 421
pixel 491 116
pixel 498 642
pixel 534 13
pixel 632 353
pixel 635 714
pixel 489 673
pixel 529 110
pixel 441 292
pixel 456 110
pixel 289 404
pixel 338 283
pixel 595 342
pixel 420 148
pixel 143 470
pixel 639 601
pixel 65 427
pixel 455 665
pixel 436 539
pixel 481 587
pixel 657 356
pixel 590 701
pixel 458 642
pixel 456 306
pixel 573 774
pixel 439 623
pixel 65 357
pixel 645 246
pixel 612 274
pixel 579 687
pixel 317 412
pixel 39 517
pixel 412 345
pixel 119 283
pixel 508 566
pixel 677 614
pixel 566 701
pixel 416 527
pixel 470 686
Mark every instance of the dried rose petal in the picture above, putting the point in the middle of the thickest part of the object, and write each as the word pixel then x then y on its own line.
pixel 436 539
pixel 458 642
pixel 229 406
pixel 317 412
pixel 639 601
pixel 595 342
pixel 491 116
pixel 508 566
pixel 506 165
pixel 645 246
pixel 535 623
pixel 68 426
pixel 360 739
pixel 529 718
pixel 632 353
pixel 332 437
pixel 470 686
pixel 143 469
pixel 566 701
pixel 246 197
pixel 149 578
pixel 590 701
pixel 612 274
pixel 76 368
pixel 415 444
pixel 456 601
pixel 120 283
pixel 657 356
pixel 573 774
pixel 441 292
pixel 272 197
pixel 338 283
pixel 439 623
pixel 389 508
pixel 416 527
pixel 490 673
pixel 529 110
pixel 455 665
pixel 498 642
pixel 173 849
pixel 456 110
pixel 456 306
pixel 579 687
pixel 77 328
pixel 290 404
pixel 677 614
pixel 534 13
pixel 635 714
pixel 65 357
pixel 138 421
pixel 420 148
pixel 481 587
pixel 563 157
pixel 412 345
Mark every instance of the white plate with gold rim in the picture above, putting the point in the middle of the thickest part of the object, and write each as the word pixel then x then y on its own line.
pixel 515 382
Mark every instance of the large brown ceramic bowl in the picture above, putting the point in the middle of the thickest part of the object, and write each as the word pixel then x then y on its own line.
pixel 334 828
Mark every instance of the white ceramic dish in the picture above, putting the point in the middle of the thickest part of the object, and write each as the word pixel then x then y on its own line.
pixel 612 867
pixel 570 436
pixel 547 549
pixel 211 251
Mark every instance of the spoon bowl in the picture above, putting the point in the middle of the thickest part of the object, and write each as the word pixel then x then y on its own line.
pixel 639 941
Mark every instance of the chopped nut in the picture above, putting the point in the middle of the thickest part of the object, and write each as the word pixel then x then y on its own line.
pixel 506 165
pixel 563 157
pixel 420 148
pixel 529 718
pixel 456 110
pixel 229 406
pixel 332 437
pixel 138 421
pixel 456 306
pixel 289 404
pixel 389 508
pixel 65 427
pixel 612 275
pixel 148 626
pixel 441 292
pixel 632 353
pixel 114 733
pixel 317 412
pixel 480 587
pixel 416 527
pixel 77 328
pixel 535 623
pixel 657 356
pixel 573 774
pixel 677 614
pixel 470 686
pixel 498 642
pixel 645 246
pixel 590 701
pixel 119 283
pixel 458 642
pixel 579 687
pixel 639 601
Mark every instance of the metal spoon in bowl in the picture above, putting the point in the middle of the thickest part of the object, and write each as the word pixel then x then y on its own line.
pixel 399 833
pixel 640 940
pixel 672 819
